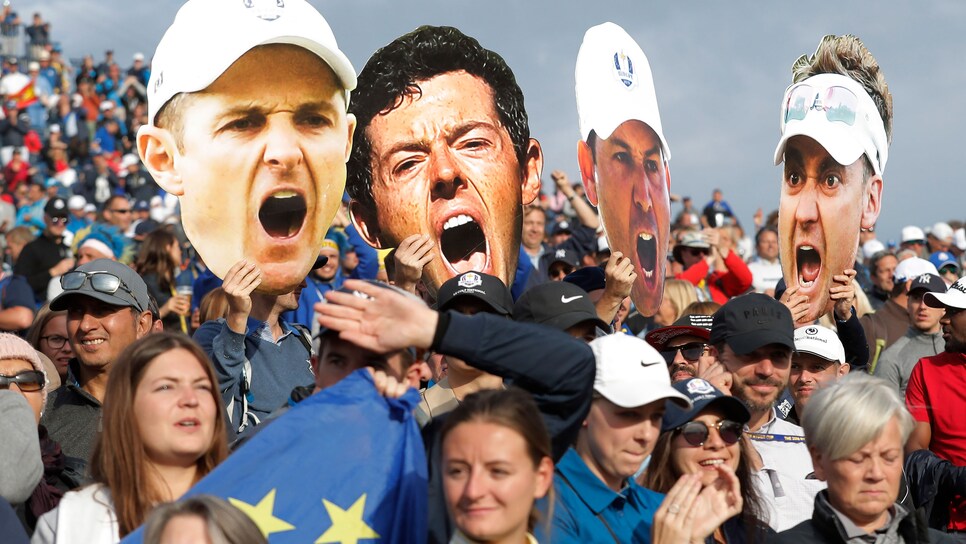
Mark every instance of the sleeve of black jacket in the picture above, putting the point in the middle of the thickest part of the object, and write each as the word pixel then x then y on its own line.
pixel 933 482
pixel 852 336
pixel 557 369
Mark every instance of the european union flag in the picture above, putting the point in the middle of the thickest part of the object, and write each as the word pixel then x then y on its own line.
pixel 344 466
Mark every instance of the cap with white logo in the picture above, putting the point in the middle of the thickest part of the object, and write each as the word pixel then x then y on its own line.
pixel 819 341
pixel 614 84
pixel 556 304
pixel 954 297
pixel 630 373
pixel 208 36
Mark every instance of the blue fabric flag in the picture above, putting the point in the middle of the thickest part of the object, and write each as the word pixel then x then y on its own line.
pixel 345 465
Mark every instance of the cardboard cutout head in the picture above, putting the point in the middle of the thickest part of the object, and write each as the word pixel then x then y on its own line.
pixel 623 155
pixel 248 128
pixel 444 150
pixel 834 142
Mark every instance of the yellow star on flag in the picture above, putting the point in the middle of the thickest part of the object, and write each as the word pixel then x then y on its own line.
pixel 347 525
pixel 263 514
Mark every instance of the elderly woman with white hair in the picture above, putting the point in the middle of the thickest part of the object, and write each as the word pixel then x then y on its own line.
pixel 861 458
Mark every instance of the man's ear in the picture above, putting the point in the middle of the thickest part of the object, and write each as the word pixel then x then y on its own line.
pixel 844 369
pixel 415 373
pixel 531 171
pixel 365 222
pixel 585 160
pixel 873 202
pixel 351 121
pixel 144 323
pixel 157 148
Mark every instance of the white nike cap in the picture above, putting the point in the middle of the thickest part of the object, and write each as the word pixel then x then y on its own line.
pixel 631 373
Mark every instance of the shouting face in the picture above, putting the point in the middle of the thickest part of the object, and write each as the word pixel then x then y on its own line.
pixel 262 166
pixel 823 205
pixel 626 178
pixel 444 165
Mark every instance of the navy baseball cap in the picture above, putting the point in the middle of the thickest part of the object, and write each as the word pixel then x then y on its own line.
pixel 588 278
pixel 702 395
pixel 489 289
pixel 748 322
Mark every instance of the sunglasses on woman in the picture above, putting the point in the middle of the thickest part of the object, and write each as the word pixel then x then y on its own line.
pixel 695 433
pixel 27 380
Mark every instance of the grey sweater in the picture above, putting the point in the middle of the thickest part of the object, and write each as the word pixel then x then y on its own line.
pixel 897 361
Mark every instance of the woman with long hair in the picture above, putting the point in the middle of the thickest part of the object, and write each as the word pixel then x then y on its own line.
pixel 707 441
pixel 204 518
pixel 496 464
pixel 159 262
pixel 163 430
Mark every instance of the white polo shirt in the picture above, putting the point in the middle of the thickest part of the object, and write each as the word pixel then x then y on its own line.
pixel 785 481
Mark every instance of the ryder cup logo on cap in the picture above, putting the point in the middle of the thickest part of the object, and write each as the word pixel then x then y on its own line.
pixel 839 114
pixel 208 36
pixel 470 280
pixel 614 84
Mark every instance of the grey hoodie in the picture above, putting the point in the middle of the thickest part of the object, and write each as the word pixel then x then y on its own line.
pixel 897 361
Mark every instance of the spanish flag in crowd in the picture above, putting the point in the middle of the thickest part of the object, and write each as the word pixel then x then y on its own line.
pixel 344 466
pixel 26 96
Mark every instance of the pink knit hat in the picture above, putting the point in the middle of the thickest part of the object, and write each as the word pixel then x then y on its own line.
pixel 14 347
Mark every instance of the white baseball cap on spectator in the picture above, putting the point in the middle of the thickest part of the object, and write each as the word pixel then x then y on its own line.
pixel 631 373
pixel 913 267
pixel 90 208
pixel 129 160
pixel 819 341
pixel 838 113
pixel 912 233
pixel 614 84
pixel 954 297
pixel 872 247
pixel 139 56
pixel 107 105
pixel 959 238
pixel 34 66
pixel 208 36
pixel 76 202
pixel 942 231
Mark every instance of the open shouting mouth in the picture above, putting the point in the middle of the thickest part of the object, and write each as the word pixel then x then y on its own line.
pixel 463 245
pixel 283 213
pixel 647 255
pixel 809 265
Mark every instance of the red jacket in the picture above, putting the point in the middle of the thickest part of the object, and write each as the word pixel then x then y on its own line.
pixel 720 285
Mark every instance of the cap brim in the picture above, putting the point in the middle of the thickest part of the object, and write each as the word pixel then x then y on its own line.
pixel 60 302
pixel 944 300
pixel 745 343
pixel 496 307
pixel 641 398
pixel 836 140
pixel 320 261
pixel 733 409
pixel 659 338
pixel 566 320
pixel 822 356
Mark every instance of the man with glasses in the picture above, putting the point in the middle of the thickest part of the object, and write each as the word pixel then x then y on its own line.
pixel 935 395
pixel 836 126
pixel 753 335
pixel 118 212
pixel 686 350
pixel 107 308
pixel 47 256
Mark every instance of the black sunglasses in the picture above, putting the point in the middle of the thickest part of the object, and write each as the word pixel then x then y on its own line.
pixel 690 351
pixel 103 282
pixel 28 381
pixel 696 432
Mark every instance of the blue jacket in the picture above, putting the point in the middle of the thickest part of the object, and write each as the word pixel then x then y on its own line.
pixel 587 511
pixel 277 367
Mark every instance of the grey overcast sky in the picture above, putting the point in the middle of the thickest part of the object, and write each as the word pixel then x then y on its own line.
pixel 720 69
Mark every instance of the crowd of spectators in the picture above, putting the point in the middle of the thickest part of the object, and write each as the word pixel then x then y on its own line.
pixel 551 409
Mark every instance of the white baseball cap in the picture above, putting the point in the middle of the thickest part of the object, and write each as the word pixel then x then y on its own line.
pixel 872 247
pixel 614 84
pixel 76 202
pixel 954 297
pixel 819 341
pixel 208 36
pixel 959 238
pixel 631 373
pixel 913 267
pixel 912 233
pixel 942 231
pixel 858 128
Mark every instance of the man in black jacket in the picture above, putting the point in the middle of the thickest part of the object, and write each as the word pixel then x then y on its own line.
pixel 557 369
pixel 47 256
